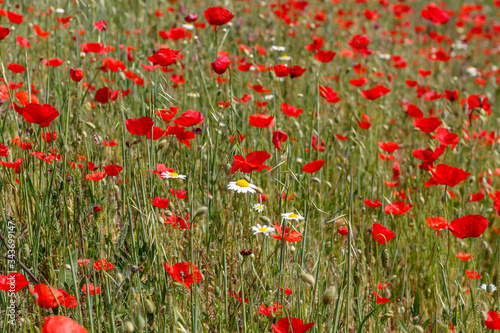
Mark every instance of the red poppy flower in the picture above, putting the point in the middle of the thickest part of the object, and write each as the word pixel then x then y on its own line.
pixel 359 44
pixel 103 265
pixel 13 282
pixel 451 95
pixel 160 203
pixel 218 15
pixel 281 70
pixel 76 74
pixel 101 25
pixel 344 231
pixel 313 166
pixel 113 65
pixel 492 321
pixel 290 111
pixel 278 137
pixel 92 47
pixel 437 222
pixel 96 176
pixel 435 14
pixel 446 138
pixel 373 204
pixel 375 92
pixel 261 120
pixel 290 237
pixel 42 115
pixel 184 272
pixel 54 62
pixel 190 18
pixel 23 42
pixel 4 32
pixel 253 161
pixel 473 275
pixel 61 324
pixel 180 194
pixel 397 208
pixel 468 226
pixel 164 57
pixel 112 170
pixel 464 256
pixel 47 297
pixel 448 175
pixel 15 18
pixel 16 68
pixel 414 112
pixel 427 125
pixel 189 118
pixel 324 56
pixel 381 234
pixel 271 311
pixel 358 82
pixel 389 146
pixel 364 124
pixel 4 150
pixel 496 205
pixel 258 88
pixel 296 71
pixel 380 299
pixel 109 143
pixel 220 65
pixel 139 126
pixel 291 325
pixel 328 94
pixel 167 115
pixel 91 289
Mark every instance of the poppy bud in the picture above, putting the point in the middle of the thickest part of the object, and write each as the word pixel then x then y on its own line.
pixel 76 74
pixel 119 278
pixel 265 219
pixel 385 258
pixel 201 211
pixel 220 65
pixel 419 328
pixel 292 249
pixel 129 326
pixel 150 307
pixel 329 295
pixel 316 180
pixel 97 208
pixel 307 278
pixel 128 144
pixel 26 250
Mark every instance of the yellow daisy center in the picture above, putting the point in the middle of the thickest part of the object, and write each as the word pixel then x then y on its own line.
pixel 262 229
pixel 242 183
pixel 259 207
pixel 174 175
pixel 293 216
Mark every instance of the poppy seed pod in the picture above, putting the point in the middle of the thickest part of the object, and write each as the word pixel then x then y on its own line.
pixel 265 219
pixel 329 295
pixel 307 278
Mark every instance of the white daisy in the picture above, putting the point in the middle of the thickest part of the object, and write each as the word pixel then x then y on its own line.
pixel 259 207
pixel 193 94
pixel 268 97
pixel 489 288
pixel 242 186
pixel 292 216
pixel 188 26
pixel 171 175
pixel 278 48
pixel 285 58
pixel 472 71
pixel 262 229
